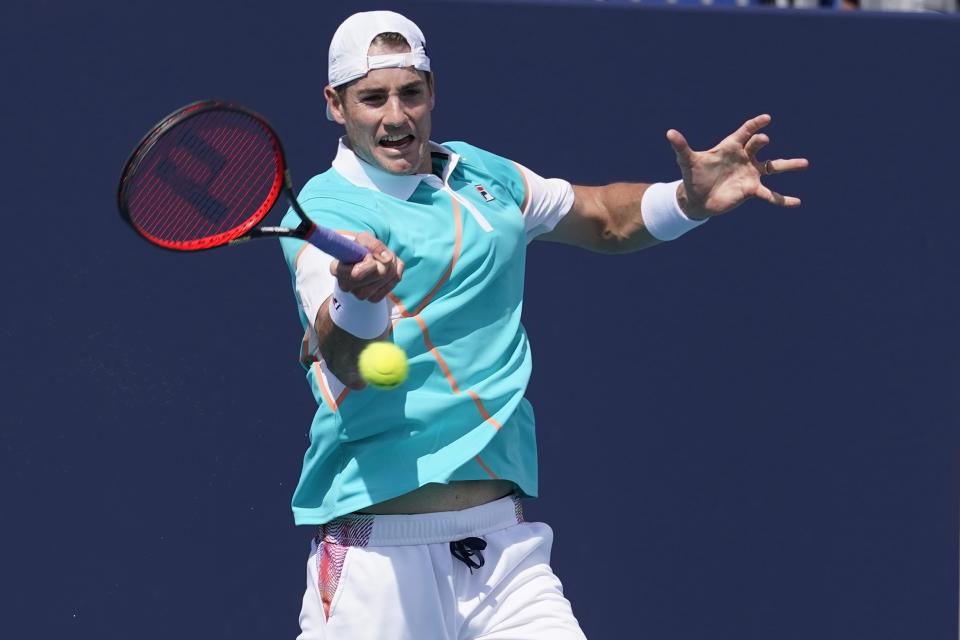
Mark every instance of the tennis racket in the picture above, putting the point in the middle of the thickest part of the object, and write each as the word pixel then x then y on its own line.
pixel 206 175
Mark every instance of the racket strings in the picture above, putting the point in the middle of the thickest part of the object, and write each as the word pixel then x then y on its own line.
pixel 208 178
pixel 259 171
pixel 212 211
pixel 157 199
pixel 183 157
pixel 213 214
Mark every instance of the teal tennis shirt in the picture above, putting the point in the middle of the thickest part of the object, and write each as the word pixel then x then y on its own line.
pixel 461 414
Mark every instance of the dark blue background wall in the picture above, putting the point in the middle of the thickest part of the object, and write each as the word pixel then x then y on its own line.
pixel 749 433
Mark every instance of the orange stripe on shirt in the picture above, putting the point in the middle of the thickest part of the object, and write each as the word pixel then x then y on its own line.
pixel 427 341
pixel 324 389
pixel 399 305
pixel 485 467
pixel 526 189
pixel 458 238
pixel 436 354
pixel 483 410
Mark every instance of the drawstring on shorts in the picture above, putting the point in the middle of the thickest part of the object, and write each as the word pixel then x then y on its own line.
pixel 467 549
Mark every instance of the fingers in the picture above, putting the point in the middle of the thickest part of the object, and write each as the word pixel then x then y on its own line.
pixel 359 269
pixel 775 198
pixel 371 244
pixel 379 293
pixel 755 143
pixel 771 167
pixel 363 274
pixel 680 147
pixel 750 127
pixel 374 290
pixel 379 290
pixel 365 271
pixel 373 277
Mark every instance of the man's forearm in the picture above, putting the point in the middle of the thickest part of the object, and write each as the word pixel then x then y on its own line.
pixel 623 229
pixel 340 349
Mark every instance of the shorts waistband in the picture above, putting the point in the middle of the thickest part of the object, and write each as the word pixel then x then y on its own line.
pixel 368 530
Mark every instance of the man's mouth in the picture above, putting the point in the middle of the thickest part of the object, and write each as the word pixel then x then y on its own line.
pixel 396 142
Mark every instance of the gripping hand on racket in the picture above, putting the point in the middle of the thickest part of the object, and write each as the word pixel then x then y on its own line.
pixel 373 277
pixel 724 177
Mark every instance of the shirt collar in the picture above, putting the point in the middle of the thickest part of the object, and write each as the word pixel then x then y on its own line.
pixel 363 174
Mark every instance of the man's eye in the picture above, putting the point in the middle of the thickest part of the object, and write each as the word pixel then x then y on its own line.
pixel 371 99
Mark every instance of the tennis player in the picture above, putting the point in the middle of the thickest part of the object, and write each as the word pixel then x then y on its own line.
pixel 416 493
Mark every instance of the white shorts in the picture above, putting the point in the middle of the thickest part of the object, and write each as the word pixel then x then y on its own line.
pixel 430 577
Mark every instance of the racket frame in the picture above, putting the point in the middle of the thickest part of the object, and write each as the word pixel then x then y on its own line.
pixel 247 231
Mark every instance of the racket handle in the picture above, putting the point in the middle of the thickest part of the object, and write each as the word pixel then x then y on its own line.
pixel 334 244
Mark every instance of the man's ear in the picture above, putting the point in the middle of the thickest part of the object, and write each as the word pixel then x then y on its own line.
pixel 334 105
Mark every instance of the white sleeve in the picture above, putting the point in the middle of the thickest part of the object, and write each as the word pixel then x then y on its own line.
pixel 545 203
pixel 313 284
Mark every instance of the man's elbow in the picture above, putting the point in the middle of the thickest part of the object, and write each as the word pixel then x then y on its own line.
pixel 613 239
pixel 623 238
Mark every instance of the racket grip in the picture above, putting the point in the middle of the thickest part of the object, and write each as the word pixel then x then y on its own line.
pixel 334 244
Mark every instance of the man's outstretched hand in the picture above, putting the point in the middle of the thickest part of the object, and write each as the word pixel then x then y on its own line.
pixel 724 177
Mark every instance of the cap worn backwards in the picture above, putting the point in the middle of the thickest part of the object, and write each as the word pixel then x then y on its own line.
pixel 348 59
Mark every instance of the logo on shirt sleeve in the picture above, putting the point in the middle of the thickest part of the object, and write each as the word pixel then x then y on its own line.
pixel 483 193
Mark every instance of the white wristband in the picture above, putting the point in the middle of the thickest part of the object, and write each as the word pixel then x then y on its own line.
pixel 661 213
pixel 367 320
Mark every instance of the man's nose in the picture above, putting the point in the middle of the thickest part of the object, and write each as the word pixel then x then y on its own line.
pixel 393 115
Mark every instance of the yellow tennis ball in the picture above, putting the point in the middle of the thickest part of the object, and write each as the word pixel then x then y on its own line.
pixel 383 365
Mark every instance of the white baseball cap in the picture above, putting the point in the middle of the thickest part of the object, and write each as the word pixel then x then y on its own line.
pixel 348 59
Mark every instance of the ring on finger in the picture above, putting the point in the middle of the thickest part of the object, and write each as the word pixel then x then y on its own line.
pixel 767 167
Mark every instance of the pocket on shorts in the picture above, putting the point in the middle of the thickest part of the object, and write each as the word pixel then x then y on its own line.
pixel 331 574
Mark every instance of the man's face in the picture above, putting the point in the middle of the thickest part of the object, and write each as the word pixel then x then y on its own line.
pixel 387 116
